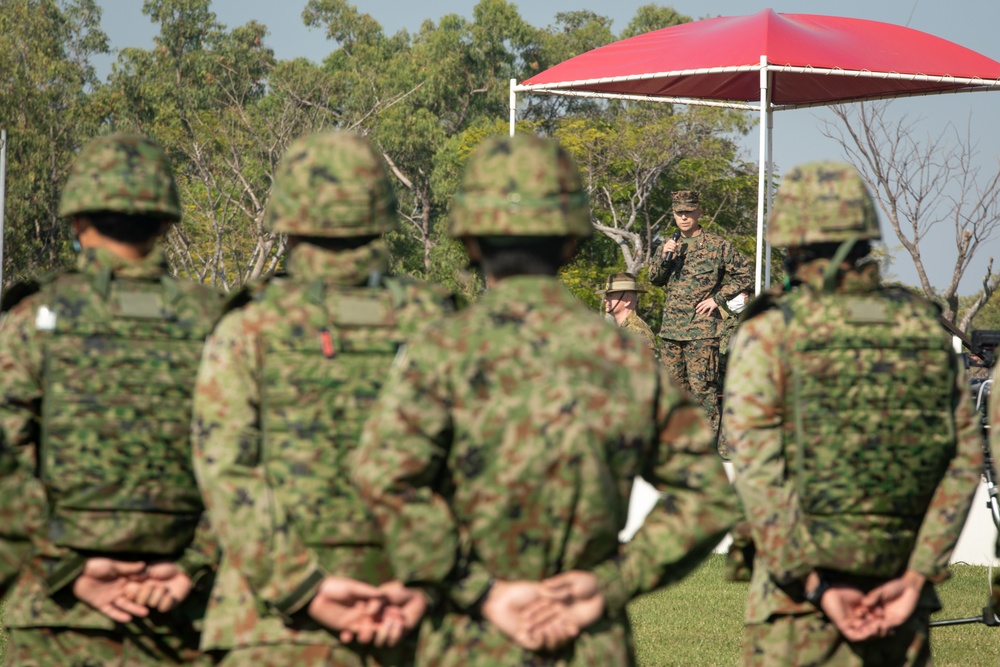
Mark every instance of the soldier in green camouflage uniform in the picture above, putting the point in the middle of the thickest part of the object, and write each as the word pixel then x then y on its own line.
pixel 97 367
pixel 856 449
pixel 994 422
pixel 287 379
pixel 703 272
pixel 513 431
pixel 621 296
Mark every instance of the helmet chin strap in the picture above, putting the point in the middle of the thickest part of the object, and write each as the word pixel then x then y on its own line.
pixel 830 275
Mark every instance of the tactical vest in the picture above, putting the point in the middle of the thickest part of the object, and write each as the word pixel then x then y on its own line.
pixel 324 362
pixel 869 422
pixel 120 360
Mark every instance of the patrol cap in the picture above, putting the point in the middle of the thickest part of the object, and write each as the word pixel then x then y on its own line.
pixel 521 186
pixel 621 282
pixel 822 202
pixel 331 184
pixel 684 200
pixel 121 173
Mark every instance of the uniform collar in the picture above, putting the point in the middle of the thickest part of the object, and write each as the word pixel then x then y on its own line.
pixel 863 278
pixel 345 267
pixel 95 260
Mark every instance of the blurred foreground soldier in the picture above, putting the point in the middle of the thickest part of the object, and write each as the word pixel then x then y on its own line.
pixel 994 422
pixel 700 272
pixel 621 297
pixel 511 433
pixel 856 449
pixel 288 377
pixel 97 367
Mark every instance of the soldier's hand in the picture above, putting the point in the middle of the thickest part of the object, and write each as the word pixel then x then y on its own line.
pixel 353 608
pixel 102 586
pixel 706 307
pixel 669 245
pixel 411 602
pixel 164 587
pixel 896 600
pixel 522 611
pixel 844 607
pixel 580 592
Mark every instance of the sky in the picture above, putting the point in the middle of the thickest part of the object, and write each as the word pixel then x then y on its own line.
pixel 797 134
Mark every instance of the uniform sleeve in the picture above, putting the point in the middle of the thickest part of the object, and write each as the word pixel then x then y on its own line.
pixel 737 276
pixel 660 270
pixel 754 426
pixel 952 500
pixel 697 505
pixel 399 467
pixel 21 513
pixel 252 527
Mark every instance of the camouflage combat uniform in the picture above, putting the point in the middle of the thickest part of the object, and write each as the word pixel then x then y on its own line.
pixel 511 435
pixel 994 421
pixel 635 324
pixel 287 379
pixel 855 444
pixel 97 367
pixel 707 266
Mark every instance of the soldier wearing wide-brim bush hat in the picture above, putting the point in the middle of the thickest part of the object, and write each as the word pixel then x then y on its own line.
pixel 288 377
pixel 512 410
pixel 856 388
pixel 621 298
pixel 98 374
pixel 621 282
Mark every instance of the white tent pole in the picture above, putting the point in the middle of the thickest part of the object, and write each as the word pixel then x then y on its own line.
pixel 769 185
pixel 761 175
pixel 513 105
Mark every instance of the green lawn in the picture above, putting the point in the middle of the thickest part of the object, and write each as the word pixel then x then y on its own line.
pixel 700 621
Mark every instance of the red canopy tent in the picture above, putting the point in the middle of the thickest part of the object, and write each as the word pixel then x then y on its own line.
pixel 768 62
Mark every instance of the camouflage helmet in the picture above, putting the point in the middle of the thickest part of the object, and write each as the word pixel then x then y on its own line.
pixel 822 202
pixel 122 173
pixel 331 184
pixel 521 186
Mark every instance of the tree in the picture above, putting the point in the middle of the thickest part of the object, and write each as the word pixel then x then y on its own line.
pixel 923 185
pixel 634 155
pixel 48 115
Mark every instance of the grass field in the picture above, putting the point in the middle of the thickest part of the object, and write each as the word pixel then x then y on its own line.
pixel 699 622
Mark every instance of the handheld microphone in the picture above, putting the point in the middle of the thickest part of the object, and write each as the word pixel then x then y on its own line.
pixel 670 255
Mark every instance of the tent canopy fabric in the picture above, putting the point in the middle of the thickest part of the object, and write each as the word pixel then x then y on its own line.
pixel 816 60
pixel 768 62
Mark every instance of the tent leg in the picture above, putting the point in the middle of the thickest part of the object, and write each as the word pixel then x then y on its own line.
pixel 769 188
pixel 765 104
pixel 513 105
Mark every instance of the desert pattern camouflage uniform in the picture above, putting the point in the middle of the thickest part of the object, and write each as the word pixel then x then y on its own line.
pixel 635 324
pixel 97 367
pixel 48 625
pixel 513 432
pixel 708 266
pixel 855 444
pixel 287 379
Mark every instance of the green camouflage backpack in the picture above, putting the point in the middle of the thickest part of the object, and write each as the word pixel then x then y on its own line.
pixel 120 359
pixel 869 420
pixel 323 365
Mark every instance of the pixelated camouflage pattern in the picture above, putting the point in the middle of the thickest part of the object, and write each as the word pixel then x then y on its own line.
pixel 812 639
pixel 756 421
pixel 331 184
pixel 521 186
pixel 119 370
pixel 694 366
pixel 37 600
pixel 513 431
pixel 684 200
pixel 706 266
pixel 822 202
pixel 280 406
pixel 123 173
